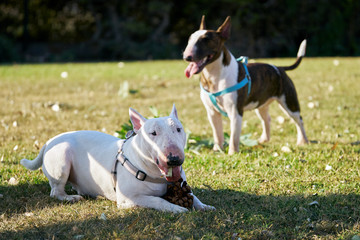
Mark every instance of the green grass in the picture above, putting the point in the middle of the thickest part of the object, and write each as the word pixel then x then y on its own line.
pixel 260 193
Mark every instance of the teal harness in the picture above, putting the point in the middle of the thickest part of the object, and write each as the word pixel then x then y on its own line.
pixel 241 84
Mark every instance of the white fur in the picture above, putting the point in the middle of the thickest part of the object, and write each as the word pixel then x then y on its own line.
pixel 86 159
pixel 223 77
pixel 301 135
pixel 191 48
pixel 302 48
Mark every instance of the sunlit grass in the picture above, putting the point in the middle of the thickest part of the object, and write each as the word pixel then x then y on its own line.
pixel 260 193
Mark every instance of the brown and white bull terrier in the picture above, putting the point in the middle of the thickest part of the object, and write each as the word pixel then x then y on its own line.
pixel 219 69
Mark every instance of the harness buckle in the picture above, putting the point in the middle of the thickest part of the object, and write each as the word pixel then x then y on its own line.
pixel 140 175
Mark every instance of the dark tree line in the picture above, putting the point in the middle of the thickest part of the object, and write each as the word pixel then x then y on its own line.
pixel 92 30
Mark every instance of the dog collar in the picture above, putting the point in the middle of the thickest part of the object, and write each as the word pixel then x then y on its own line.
pixel 125 162
pixel 241 84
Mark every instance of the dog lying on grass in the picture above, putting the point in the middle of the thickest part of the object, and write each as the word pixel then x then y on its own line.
pixel 149 159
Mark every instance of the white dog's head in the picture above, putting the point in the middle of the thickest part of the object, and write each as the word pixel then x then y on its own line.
pixel 161 142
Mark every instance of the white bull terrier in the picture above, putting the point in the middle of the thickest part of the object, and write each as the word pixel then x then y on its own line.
pixel 149 159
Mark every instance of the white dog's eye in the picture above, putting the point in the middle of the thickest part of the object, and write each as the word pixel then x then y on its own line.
pixel 178 129
pixel 153 133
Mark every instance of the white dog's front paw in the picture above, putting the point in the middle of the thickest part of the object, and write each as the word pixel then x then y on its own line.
pixel 73 198
pixel 204 207
pixel 178 209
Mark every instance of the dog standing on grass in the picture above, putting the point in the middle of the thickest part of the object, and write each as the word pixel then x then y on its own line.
pixel 220 71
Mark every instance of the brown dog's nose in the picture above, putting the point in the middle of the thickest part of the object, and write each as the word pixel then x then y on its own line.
pixel 188 58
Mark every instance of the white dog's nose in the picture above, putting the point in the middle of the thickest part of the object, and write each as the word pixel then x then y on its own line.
pixel 175 156
pixel 174 160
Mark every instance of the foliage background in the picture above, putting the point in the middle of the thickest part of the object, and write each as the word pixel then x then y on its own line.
pixel 95 30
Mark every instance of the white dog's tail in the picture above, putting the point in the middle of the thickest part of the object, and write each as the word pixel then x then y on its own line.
pixel 36 163
pixel 300 55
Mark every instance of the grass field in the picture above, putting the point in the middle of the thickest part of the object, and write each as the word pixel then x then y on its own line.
pixel 263 192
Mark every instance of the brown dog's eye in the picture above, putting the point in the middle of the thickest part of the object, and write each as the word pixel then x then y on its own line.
pixel 153 133
pixel 205 38
pixel 178 129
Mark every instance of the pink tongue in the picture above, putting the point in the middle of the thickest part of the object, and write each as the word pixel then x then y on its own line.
pixel 191 69
pixel 176 174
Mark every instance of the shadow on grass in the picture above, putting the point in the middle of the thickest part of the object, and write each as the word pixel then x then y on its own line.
pixel 20 198
pixel 27 197
pixel 248 215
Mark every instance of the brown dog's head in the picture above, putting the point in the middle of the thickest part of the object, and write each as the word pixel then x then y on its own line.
pixel 205 46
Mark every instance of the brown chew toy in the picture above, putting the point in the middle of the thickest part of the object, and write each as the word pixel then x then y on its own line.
pixel 179 193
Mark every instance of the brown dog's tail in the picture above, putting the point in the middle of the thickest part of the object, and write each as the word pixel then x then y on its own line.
pixel 300 55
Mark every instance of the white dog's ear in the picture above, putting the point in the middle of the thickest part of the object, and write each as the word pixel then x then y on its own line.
pixel 174 112
pixel 136 119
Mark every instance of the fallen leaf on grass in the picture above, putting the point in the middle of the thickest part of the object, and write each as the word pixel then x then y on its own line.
pixel 133 223
pixel 124 90
pixel 13 181
pixel 36 144
pixel 154 111
pixel 280 119
pixel 121 64
pixel 334 146
pixel 192 141
pixel 311 105
pixel 79 236
pixel 55 107
pixel 314 203
pixel 64 74
pixel 29 214
pixel 245 140
pixel 235 236
pixel 196 152
pixel 286 149
pixel 330 88
pixel 103 217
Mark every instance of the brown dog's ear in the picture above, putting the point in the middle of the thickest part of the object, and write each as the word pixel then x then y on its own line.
pixel 224 29
pixel 202 24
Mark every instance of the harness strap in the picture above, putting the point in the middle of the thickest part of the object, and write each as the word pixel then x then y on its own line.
pixel 241 84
